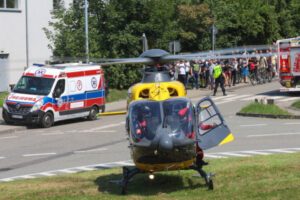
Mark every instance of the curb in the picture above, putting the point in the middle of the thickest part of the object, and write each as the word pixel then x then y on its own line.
pixel 269 116
pixel 10 128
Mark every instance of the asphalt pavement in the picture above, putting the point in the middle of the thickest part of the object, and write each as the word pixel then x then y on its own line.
pixel 121 106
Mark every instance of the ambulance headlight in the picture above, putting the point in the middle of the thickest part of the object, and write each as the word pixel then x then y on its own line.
pixel 37 105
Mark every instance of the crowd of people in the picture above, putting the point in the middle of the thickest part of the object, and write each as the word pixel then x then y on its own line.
pixel 202 73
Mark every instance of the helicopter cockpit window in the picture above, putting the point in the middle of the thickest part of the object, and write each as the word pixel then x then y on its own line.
pixel 145 116
pixel 208 118
pixel 178 117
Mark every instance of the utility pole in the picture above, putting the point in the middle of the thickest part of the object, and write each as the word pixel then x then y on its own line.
pixel 86 31
pixel 26 25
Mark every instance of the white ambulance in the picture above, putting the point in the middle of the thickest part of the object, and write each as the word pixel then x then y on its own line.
pixel 48 94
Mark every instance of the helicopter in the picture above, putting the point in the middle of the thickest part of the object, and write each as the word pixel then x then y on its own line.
pixel 165 130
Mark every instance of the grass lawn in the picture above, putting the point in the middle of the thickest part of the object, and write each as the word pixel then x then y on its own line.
pixel 258 177
pixel 296 104
pixel 116 95
pixel 258 108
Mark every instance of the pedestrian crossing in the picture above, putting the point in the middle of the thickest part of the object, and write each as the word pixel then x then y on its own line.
pixel 250 97
pixel 246 153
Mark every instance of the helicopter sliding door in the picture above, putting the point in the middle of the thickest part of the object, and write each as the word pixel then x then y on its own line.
pixel 212 128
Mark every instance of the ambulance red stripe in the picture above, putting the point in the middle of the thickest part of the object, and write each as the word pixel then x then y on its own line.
pixel 44 76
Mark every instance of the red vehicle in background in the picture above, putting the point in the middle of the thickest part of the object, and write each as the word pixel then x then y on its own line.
pixel 289 64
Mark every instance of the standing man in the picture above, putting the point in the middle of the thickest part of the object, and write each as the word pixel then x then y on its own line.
pixel 195 67
pixel 219 77
pixel 181 72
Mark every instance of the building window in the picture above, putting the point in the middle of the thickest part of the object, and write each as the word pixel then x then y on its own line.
pixel 9 4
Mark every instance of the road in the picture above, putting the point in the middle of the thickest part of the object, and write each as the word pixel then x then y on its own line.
pixel 78 145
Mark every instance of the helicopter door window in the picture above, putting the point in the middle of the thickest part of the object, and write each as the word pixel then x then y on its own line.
pixel 207 118
pixel 145 116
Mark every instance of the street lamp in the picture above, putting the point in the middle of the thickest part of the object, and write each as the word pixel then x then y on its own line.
pixel 86 31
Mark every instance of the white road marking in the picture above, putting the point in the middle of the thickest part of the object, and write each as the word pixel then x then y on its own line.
pixel 275 134
pixel 281 150
pixel 67 171
pixel 85 168
pixel 91 150
pixel 247 125
pixel 288 99
pixel 10 137
pixel 39 154
pixel 298 149
pixel 2 157
pixel 223 97
pixel 252 98
pixel 238 97
pixel 7 179
pixel 233 154
pixel 47 174
pixel 213 156
pixel 26 177
pixel 256 152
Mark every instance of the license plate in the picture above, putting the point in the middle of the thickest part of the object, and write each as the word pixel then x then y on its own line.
pixel 297 86
pixel 17 116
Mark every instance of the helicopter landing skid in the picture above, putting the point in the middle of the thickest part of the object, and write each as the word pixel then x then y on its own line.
pixel 206 176
pixel 127 175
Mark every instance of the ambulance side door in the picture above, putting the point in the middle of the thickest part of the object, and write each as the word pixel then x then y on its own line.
pixel 60 97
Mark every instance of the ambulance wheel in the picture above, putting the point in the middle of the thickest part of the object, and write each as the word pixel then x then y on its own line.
pixel 47 120
pixel 93 113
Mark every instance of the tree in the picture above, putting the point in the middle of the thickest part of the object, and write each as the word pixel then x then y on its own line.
pixel 194 22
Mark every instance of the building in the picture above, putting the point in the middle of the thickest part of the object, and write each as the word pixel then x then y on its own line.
pixel 22 39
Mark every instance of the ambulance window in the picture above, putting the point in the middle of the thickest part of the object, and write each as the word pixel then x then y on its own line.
pixel 59 88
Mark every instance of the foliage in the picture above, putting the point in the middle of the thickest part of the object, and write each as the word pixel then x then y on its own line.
pixel 258 177
pixel 2 97
pixel 116 28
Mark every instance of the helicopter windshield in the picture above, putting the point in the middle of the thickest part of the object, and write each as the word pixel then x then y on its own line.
pixel 145 118
pixel 176 115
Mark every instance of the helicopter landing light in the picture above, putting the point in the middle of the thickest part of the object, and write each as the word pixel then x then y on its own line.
pixel 151 176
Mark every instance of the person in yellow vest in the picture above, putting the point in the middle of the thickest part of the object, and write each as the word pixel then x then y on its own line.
pixel 219 77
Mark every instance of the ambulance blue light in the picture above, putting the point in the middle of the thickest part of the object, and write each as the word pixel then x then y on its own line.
pixel 38 65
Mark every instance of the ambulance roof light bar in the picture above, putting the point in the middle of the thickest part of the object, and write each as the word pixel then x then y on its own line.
pixel 38 64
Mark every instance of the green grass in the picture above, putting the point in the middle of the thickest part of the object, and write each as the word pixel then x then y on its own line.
pixel 116 95
pixel 2 97
pixel 258 108
pixel 296 104
pixel 258 177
